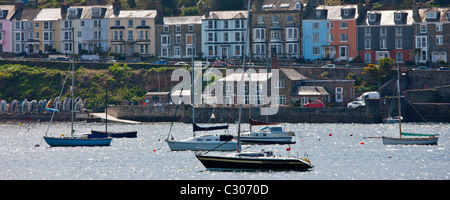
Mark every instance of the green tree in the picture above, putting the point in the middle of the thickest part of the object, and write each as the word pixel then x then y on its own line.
pixel 191 11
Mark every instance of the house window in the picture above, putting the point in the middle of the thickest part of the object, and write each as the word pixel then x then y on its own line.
pixel 339 94
pixel 130 23
pixel 344 25
pixel 190 28
pixel 291 33
pixel 367 44
pixel 292 49
pixel 275 19
pixel 178 28
pixel 237 49
pixel 383 44
pixel 398 30
pixel 229 87
pixel 166 29
pixel 316 51
pixel 372 17
pixel 279 100
pixel 343 51
pixel 383 31
pixel 423 28
pixel 177 39
pixel 315 25
pixel 142 22
pixel 367 58
pixel 289 19
pixel 165 40
pixel 421 42
pixel 439 40
pixel 96 12
pixel 367 31
pixel 260 19
pixel 279 84
pixel 344 37
pixel 316 37
pixel 430 15
pixel 438 27
pixel 130 35
pixel 398 43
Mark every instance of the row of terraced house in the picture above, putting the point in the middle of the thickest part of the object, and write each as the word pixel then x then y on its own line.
pixel 286 29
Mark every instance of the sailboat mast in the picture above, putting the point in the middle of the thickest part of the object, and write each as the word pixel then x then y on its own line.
pixel 106 107
pixel 399 108
pixel 73 82
pixel 193 93
pixel 242 79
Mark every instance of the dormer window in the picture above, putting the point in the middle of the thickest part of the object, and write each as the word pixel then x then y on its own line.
pixel 96 12
pixel 398 16
pixel 72 11
pixel 372 17
pixel 268 6
pixel 298 6
pixel 346 12
pixel 318 13
pixel 430 15
pixel 1 13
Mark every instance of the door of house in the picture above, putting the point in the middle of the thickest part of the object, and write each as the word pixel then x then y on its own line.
pixel 224 52
pixel 303 101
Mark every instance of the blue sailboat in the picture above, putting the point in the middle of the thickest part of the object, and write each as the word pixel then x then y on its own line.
pixel 70 139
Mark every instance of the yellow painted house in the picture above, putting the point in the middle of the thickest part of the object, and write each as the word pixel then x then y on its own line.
pixel 47 29
pixel 132 31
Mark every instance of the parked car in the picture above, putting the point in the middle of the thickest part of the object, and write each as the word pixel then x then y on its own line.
pixel 422 68
pixel 111 61
pixel 314 104
pixel 355 104
pixel 443 68
pixel 368 95
pixel 160 62
pixel 180 63
pixel 329 66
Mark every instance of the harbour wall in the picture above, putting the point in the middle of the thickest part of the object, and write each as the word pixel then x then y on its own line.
pixel 368 114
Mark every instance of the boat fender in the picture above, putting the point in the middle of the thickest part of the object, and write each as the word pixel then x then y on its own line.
pixel 171 138
pixel 288 149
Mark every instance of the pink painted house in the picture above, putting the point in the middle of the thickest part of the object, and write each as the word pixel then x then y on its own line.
pixel 6 12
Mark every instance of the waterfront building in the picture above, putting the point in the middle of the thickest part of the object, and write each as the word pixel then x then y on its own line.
pixel 178 37
pixel 329 32
pixel 23 37
pixel 6 12
pixel 386 33
pixel 90 26
pixel 276 29
pixel 223 34
pixel 46 29
pixel 294 89
pixel 131 31
pixel 431 29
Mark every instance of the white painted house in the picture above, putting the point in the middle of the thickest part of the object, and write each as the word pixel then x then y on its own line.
pixel 223 34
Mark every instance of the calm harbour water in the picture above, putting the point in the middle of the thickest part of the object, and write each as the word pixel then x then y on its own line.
pixel 345 155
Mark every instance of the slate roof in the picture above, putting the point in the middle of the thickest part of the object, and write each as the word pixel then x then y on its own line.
pixel 48 14
pixel 232 14
pixel 25 14
pixel 183 20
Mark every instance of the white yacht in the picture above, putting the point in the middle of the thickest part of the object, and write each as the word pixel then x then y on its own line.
pixel 268 135
pixel 204 143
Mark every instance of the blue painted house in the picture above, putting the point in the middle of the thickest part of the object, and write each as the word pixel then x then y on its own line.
pixel 316 35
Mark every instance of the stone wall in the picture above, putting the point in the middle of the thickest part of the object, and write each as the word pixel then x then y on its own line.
pixel 368 114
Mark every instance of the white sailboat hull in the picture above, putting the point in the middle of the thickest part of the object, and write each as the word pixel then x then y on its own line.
pixel 202 143
pixel 410 141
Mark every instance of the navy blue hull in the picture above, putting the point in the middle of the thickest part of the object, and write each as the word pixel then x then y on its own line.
pixel 102 134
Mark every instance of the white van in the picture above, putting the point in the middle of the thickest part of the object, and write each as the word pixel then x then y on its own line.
pixel 368 95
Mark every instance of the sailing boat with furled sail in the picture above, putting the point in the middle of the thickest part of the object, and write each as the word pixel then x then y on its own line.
pixel 71 139
pixel 419 139
pixel 222 142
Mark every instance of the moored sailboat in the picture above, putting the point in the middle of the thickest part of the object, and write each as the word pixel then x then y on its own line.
pixel 248 161
pixel 70 139
pixel 106 133
pixel 419 139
